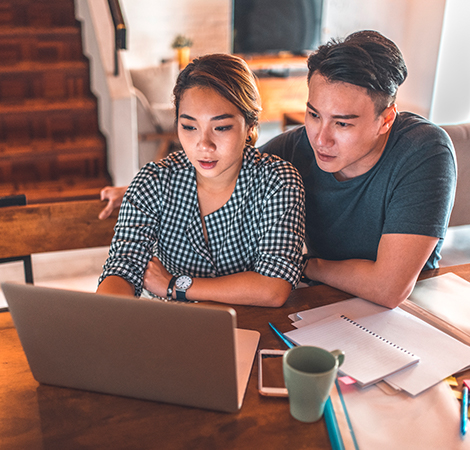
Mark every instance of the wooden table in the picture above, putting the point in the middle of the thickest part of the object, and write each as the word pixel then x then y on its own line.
pixel 34 416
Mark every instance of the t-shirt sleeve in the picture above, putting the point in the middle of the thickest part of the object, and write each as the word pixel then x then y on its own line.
pixel 423 193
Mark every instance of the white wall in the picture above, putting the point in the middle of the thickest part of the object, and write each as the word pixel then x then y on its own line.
pixel 414 25
pixel 451 102
pixel 153 24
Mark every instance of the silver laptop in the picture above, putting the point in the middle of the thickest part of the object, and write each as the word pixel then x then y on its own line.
pixel 187 354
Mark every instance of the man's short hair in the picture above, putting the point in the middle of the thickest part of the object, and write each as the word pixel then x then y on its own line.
pixel 366 59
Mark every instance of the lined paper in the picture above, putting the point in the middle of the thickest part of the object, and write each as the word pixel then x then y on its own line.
pixel 368 356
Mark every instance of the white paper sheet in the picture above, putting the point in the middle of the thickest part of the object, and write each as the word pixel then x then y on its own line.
pixel 447 296
pixel 440 355
pixel 430 421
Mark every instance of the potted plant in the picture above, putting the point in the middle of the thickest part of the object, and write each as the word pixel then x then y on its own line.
pixel 182 45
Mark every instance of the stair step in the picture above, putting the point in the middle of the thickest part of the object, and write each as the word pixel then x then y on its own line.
pixel 47 45
pixel 45 146
pixel 39 119
pixel 46 106
pixel 28 80
pixel 37 14
pixel 44 160
pixel 39 67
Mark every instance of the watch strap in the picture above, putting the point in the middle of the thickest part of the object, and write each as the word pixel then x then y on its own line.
pixel 169 291
pixel 180 294
pixel 303 277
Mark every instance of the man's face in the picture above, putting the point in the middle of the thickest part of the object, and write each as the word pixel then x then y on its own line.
pixel 343 128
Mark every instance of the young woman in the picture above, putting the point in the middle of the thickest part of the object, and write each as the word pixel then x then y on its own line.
pixel 219 220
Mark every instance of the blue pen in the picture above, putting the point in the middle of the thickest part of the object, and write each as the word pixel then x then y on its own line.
pixel 330 418
pixel 464 411
pixel 282 336
pixel 332 427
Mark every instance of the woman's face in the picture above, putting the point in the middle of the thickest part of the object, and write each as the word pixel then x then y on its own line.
pixel 213 134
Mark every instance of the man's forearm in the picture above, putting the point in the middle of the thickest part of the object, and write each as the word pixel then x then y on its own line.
pixel 387 281
pixel 360 278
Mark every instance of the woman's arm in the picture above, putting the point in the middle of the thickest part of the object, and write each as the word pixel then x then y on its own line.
pixel 115 285
pixel 244 288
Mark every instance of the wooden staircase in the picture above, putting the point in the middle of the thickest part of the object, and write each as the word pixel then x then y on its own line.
pixel 50 144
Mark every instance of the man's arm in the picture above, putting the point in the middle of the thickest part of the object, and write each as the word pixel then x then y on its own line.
pixel 114 195
pixel 387 281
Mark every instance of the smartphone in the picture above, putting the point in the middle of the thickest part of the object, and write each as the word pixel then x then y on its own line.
pixel 270 375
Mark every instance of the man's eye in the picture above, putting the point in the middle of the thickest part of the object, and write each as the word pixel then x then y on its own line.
pixel 313 115
pixel 343 124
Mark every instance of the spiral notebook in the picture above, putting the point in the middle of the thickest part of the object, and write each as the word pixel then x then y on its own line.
pixel 369 358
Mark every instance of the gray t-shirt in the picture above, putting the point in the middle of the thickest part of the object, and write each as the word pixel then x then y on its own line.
pixel 410 190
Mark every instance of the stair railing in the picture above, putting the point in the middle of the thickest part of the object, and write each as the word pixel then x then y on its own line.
pixel 120 31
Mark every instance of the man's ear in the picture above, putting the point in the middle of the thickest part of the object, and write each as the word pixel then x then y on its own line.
pixel 389 115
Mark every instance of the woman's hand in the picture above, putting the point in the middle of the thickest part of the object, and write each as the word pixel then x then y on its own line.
pixel 243 288
pixel 156 277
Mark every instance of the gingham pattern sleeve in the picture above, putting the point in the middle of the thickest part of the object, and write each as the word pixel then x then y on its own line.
pixel 282 225
pixel 136 229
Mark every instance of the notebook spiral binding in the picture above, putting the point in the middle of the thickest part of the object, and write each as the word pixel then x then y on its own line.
pixel 376 335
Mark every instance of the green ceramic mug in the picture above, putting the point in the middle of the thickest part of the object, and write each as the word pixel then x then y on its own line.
pixel 309 374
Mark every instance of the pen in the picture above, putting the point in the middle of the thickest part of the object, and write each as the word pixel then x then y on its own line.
pixel 330 418
pixel 332 427
pixel 282 336
pixel 464 411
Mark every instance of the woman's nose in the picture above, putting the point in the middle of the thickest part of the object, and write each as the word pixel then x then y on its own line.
pixel 206 142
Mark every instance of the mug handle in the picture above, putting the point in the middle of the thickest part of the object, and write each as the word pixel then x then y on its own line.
pixel 339 355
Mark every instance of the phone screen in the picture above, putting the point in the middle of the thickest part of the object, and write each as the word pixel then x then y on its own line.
pixel 271 378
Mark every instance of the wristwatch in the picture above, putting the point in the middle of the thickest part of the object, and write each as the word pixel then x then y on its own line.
pixel 182 284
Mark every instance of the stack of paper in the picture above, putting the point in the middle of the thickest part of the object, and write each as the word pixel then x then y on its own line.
pixel 440 354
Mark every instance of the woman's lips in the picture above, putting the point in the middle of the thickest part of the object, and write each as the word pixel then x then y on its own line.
pixel 207 164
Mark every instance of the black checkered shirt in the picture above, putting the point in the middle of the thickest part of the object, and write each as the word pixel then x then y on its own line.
pixel 261 227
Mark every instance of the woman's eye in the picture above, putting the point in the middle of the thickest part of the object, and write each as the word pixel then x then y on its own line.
pixel 312 114
pixel 187 127
pixel 224 128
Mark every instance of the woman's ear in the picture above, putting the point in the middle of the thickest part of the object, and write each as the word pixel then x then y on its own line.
pixel 251 136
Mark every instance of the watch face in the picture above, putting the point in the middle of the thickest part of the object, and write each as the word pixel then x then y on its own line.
pixel 183 282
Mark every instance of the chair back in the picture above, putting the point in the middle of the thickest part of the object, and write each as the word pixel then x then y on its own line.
pixel 460 136
pixel 53 227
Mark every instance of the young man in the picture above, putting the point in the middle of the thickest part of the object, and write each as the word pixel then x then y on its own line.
pixel 379 184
